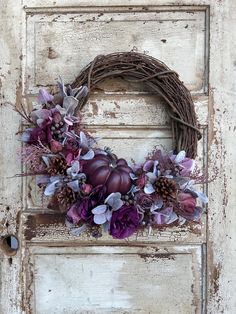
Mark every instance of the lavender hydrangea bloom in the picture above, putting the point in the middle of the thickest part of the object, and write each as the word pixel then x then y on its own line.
pixel 103 213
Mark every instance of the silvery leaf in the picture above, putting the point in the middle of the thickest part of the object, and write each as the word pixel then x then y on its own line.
pixel 148 189
pixel 169 176
pixel 188 185
pixel 106 226
pixel 51 188
pixel 114 200
pixel 61 110
pixel 108 215
pixel 82 92
pixel 75 167
pixel 40 122
pixel 83 140
pixel 151 177
pixel 202 196
pixel 55 178
pixel 117 204
pixel 42 179
pixel 61 86
pixel 180 156
pixel 25 136
pixel 79 230
pixel 81 176
pixel 89 155
pixel 182 220
pixel 157 205
pixel 155 170
pixel 70 103
pixel 68 120
pixel 46 160
pixel 74 185
pixel 100 219
pixel 173 217
pixel 100 209
pixel 133 190
pixel 133 176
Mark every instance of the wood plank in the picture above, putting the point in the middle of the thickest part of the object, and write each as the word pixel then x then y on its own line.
pixel 159 33
pixel 116 279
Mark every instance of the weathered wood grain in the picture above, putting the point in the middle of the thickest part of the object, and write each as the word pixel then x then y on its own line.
pixel 30 58
pixel 86 35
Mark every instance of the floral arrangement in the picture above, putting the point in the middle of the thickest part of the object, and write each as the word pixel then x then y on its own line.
pixel 98 191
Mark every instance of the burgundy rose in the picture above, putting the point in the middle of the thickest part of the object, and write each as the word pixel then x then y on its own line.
pixel 82 209
pixel 40 134
pixel 124 222
pixel 141 181
pixel 144 200
pixel 187 203
pixel 187 207
pixel 55 146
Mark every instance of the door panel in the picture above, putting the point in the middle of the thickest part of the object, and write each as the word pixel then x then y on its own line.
pixel 180 270
pixel 100 279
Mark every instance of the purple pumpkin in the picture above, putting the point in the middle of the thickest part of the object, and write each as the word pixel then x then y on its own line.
pixel 110 172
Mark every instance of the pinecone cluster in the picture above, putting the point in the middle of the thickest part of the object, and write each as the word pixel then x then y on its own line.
pixel 57 129
pixel 66 196
pixel 127 199
pixel 166 188
pixel 57 165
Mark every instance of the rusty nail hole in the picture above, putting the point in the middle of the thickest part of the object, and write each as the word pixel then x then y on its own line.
pixel 9 244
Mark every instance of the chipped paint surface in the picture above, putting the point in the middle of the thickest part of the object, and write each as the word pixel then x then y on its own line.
pixel 30 47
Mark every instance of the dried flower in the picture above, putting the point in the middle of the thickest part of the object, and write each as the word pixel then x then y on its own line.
pixel 124 222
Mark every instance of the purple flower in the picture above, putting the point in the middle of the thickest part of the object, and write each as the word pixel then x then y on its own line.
pixel 144 201
pixel 73 215
pixel 124 222
pixel 82 209
pixel 186 164
pixel 39 134
pixel 187 207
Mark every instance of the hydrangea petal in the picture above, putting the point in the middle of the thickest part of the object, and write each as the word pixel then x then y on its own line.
pixel 89 155
pixel 51 188
pixel 148 189
pixel 74 185
pixel 100 219
pixel 99 209
pixel 180 156
pixel 151 177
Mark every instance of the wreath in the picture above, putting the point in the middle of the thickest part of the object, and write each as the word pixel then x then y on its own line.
pixel 98 191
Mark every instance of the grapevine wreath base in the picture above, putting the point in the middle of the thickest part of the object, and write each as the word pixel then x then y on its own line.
pixel 98 191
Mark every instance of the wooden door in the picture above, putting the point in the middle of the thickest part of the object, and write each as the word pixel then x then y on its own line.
pixel 186 270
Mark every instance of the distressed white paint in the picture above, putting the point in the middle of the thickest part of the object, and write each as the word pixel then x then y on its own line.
pixel 115 280
pixel 188 54
pixel 90 34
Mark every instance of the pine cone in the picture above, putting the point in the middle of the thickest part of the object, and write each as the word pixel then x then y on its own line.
pixel 66 196
pixel 57 165
pixel 166 188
